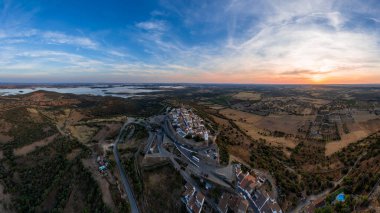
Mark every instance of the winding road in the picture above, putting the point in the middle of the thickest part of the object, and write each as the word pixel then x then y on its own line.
pixel 124 179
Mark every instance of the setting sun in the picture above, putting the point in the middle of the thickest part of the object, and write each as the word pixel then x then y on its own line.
pixel 318 78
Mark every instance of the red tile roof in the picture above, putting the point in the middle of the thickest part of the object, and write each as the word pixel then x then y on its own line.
pixel 248 183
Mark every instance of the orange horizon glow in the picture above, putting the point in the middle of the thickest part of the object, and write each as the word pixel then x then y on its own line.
pixel 346 77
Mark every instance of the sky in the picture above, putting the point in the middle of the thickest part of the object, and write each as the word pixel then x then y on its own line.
pixel 195 41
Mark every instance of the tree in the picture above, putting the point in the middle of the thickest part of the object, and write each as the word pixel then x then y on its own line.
pixel 198 138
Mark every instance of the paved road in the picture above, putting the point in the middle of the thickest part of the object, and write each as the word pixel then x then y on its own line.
pixel 124 179
pixel 151 138
pixel 252 203
pixel 186 157
pixel 202 166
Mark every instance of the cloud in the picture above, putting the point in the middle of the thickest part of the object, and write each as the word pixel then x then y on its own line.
pixel 46 37
pixel 117 53
pixel 61 38
pixel 157 13
pixel 305 72
pixel 250 41
pixel 375 20
pixel 14 16
pixel 309 38
pixel 156 25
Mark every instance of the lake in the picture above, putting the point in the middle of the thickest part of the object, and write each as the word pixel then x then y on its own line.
pixel 117 91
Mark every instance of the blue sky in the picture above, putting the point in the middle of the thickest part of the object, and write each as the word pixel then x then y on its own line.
pixel 227 41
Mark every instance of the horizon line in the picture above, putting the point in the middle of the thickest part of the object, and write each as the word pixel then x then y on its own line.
pixel 216 83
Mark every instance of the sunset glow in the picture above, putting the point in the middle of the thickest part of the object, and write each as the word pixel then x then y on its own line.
pixel 317 78
pixel 244 41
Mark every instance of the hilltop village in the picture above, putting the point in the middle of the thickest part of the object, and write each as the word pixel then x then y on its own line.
pixel 241 191
pixel 188 125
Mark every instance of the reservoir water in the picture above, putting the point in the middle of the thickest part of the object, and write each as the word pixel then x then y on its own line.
pixel 116 91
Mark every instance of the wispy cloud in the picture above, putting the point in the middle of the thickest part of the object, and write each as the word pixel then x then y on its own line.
pixel 310 38
pixel 303 72
pixel 13 15
pixel 156 25
pixel 375 20
pixel 249 41
pixel 61 38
